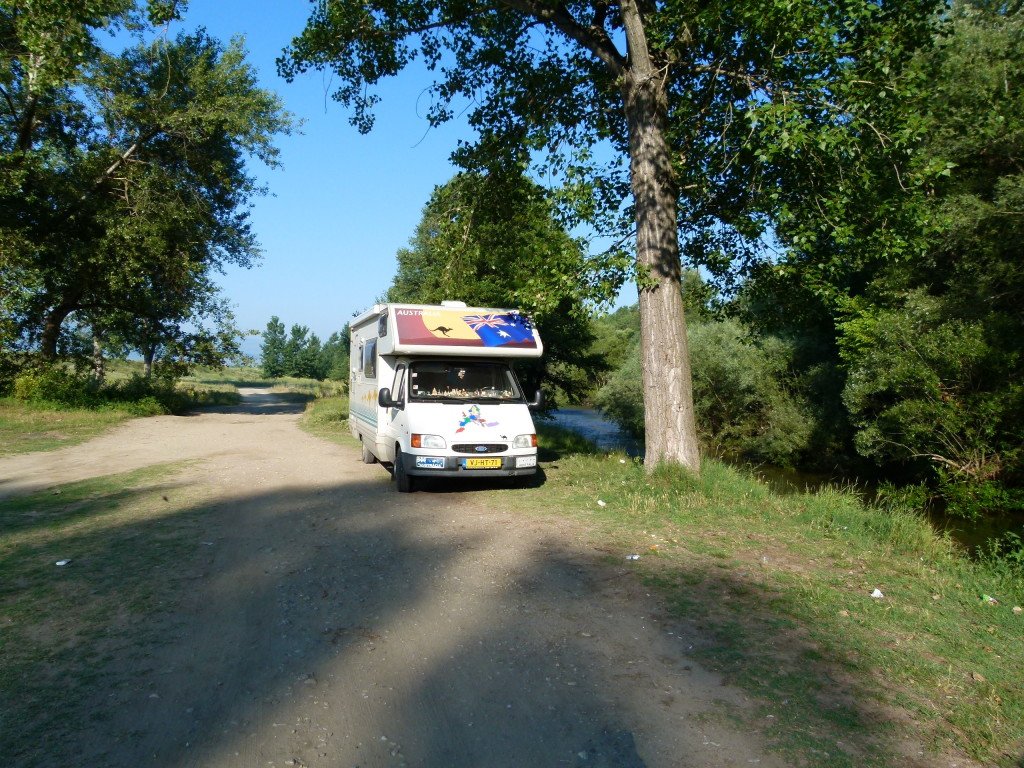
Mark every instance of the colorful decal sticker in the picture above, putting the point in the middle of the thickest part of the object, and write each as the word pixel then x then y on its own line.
pixel 474 417
pixel 454 328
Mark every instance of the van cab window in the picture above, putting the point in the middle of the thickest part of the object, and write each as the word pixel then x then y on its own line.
pixel 462 381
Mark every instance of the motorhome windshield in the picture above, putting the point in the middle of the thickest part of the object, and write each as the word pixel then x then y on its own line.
pixel 448 381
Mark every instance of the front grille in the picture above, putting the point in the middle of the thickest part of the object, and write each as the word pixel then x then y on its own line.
pixel 474 448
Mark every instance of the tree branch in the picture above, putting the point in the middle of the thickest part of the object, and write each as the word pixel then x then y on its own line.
pixel 147 136
pixel 440 23
pixel 10 102
pixel 594 39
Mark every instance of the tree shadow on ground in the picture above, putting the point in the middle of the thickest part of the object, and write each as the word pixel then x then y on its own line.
pixel 341 626
pixel 260 404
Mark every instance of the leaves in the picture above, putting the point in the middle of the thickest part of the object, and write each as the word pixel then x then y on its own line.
pixel 131 186
pixel 492 240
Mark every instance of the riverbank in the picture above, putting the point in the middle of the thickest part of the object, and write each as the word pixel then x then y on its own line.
pixel 971 535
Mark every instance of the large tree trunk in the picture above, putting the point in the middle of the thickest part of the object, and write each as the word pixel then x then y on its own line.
pixel 670 429
pixel 98 367
pixel 51 328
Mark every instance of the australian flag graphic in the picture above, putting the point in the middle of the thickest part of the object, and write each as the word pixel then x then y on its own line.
pixel 498 330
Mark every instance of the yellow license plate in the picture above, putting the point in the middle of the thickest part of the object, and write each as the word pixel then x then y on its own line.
pixel 483 463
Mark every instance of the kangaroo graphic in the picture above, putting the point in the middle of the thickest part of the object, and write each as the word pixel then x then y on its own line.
pixel 442 330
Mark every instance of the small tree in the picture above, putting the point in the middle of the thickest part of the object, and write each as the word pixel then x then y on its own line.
pixel 493 240
pixel 335 355
pixel 272 350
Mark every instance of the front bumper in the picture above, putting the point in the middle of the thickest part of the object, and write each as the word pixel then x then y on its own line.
pixel 422 465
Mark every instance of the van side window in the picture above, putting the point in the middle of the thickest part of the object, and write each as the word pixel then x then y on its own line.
pixel 370 359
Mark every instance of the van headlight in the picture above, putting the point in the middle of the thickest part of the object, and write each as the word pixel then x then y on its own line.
pixel 525 441
pixel 428 441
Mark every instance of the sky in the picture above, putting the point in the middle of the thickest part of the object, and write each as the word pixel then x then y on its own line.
pixel 343 203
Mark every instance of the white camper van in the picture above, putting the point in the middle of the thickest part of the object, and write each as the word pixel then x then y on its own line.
pixel 432 391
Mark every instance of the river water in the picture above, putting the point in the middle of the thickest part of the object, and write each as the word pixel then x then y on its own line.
pixel 605 434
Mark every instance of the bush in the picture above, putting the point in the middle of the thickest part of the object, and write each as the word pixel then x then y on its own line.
pixel 742 401
pixel 939 395
pixel 622 398
pixel 57 385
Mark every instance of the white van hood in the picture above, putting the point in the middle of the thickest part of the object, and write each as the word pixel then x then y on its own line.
pixel 471 422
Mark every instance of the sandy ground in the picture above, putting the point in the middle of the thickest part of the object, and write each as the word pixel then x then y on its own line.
pixel 331 621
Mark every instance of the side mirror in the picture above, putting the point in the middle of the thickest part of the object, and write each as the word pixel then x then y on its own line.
pixel 537 402
pixel 384 399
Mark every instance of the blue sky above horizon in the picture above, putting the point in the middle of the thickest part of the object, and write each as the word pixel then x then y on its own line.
pixel 343 203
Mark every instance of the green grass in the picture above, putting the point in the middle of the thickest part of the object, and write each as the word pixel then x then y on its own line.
pixel 782 585
pixel 253 377
pixel 25 428
pixel 555 442
pixel 242 376
pixel 327 417
pixel 62 626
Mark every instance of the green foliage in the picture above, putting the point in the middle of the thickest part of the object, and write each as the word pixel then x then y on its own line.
pixel 745 404
pixel 123 183
pixel 492 240
pixel 615 335
pixel 1006 555
pixel 56 386
pixel 621 399
pixel 929 387
pixel 768 104
pixel 335 354
pixel 741 393
pixel 735 122
pixel 907 336
pixel 272 349
pixel 301 355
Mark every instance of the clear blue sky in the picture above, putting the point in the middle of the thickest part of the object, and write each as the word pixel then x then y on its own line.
pixel 343 203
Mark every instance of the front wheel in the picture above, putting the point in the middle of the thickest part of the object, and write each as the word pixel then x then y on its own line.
pixel 402 478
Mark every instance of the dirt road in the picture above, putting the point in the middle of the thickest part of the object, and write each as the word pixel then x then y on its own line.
pixel 330 621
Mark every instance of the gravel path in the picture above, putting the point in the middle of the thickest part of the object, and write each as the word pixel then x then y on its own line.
pixel 334 622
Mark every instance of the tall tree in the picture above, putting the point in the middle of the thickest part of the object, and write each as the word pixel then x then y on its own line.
pixel 272 349
pixel 933 347
pixel 713 104
pixel 493 240
pixel 126 184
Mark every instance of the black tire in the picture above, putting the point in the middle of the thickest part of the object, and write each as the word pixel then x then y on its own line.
pixel 368 458
pixel 402 478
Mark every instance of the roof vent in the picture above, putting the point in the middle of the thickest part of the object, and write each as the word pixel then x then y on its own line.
pixel 454 304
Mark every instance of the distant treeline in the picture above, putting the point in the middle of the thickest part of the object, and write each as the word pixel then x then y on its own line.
pixel 301 354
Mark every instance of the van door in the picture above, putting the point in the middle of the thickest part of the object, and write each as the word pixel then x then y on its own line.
pixel 395 428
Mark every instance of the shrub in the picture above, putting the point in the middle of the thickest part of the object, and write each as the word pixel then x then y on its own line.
pixel 55 384
pixel 741 396
pixel 938 394
pixel 621 399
